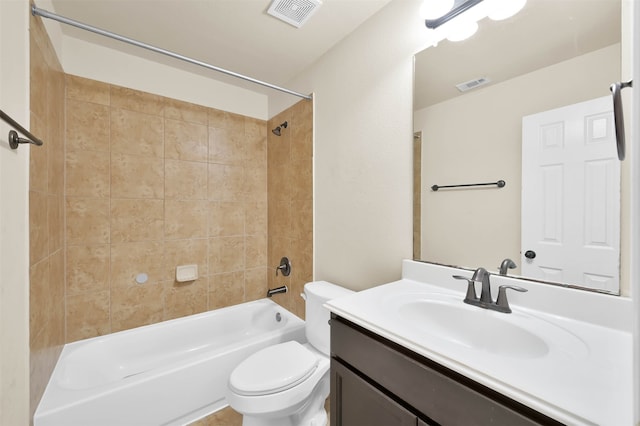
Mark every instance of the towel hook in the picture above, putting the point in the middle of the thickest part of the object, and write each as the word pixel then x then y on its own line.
pixel 15 140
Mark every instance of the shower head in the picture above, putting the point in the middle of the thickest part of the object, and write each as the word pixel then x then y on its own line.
pixel 277 130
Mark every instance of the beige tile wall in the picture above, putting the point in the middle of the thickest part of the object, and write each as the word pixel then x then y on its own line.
pixel 290 193
pixel 153 183
pixel 46 211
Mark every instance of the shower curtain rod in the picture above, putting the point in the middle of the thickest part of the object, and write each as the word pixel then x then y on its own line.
pixel 46 14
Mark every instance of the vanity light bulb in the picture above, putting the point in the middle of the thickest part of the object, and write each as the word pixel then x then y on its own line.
pixel 462 30
pixel 433 9
pixel 503 9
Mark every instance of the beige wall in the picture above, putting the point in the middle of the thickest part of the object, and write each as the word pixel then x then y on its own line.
pixel 46 204
pixel 153 183
pixel 291 202
pixel 464 141
pixel 149 73
pixel 14 214
pixel 363 148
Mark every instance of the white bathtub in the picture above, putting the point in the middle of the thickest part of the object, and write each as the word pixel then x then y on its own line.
pixel 170 373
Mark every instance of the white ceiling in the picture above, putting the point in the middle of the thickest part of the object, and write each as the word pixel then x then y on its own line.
pixel 544 33
pixel 237 35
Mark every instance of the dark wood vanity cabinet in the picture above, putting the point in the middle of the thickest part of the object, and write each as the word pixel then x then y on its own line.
pixel 375 382
pixel 360 403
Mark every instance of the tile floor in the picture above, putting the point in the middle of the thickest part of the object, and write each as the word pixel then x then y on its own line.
pixel 229 417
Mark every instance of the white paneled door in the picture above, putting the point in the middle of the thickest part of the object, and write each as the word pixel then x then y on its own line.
pixel 571 196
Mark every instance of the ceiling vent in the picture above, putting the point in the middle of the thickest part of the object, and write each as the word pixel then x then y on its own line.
pixel 472 84
pixel 294 12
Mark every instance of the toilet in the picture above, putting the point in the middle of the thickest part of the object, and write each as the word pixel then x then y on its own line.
pixel 287 384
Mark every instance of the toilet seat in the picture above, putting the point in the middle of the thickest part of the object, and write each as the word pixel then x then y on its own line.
pixel 273 369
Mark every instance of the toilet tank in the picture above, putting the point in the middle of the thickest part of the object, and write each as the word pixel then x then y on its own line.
pixel 317 317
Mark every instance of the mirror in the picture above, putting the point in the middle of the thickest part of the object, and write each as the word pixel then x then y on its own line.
pixel 552 54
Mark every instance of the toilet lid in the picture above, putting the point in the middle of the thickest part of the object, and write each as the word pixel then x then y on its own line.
pixel 273 369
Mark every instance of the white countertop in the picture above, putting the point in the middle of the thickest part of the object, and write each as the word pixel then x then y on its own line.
pixel 585 378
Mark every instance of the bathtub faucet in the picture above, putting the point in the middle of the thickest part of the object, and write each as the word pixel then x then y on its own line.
pixel 284 267
pixel 276 290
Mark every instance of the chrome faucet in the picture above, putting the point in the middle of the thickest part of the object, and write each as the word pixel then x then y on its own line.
pixel 485 300
pixel 506 264
pixel 482 276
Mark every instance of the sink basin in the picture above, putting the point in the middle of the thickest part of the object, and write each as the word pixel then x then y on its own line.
pixel 444 318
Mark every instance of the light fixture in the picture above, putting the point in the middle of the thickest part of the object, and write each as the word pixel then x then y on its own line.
pixel 461 16
pixel 434 9
pixel 503 9
pixel 462 30
pixel 458 7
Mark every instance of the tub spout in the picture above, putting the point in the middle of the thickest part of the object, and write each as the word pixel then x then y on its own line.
pixel 276 290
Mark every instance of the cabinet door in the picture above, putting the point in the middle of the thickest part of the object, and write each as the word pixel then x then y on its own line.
pixel 354 402
pixel 433 391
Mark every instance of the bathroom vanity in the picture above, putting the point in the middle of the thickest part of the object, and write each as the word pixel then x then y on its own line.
pixel 412 353
pixel 376 382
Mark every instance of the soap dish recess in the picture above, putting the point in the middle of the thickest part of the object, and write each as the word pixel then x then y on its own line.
pixel 186 273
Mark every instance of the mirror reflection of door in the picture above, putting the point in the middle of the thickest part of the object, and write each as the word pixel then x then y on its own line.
pixel 571 196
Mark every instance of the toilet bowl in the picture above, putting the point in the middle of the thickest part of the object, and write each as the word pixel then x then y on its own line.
pixel 294 397
pixel 287 384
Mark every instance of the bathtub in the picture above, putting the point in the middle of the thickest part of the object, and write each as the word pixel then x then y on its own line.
pixel 170 373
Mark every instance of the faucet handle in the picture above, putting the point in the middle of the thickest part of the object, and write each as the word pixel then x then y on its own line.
pixel 471 288
pixel 284 267
pixel 502 303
